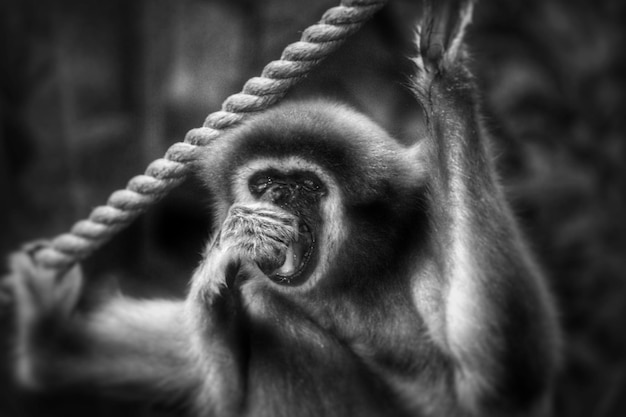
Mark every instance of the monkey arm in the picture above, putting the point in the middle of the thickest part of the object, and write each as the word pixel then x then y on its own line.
pixel 251 235
pixel 213 312
pixel 500 325
pixel 497 320
pixel 128 347
pixel 140 344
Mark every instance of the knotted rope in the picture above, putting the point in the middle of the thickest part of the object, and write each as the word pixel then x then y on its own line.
pixel 164 174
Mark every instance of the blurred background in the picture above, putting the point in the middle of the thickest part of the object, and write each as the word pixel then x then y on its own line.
pixel 92 91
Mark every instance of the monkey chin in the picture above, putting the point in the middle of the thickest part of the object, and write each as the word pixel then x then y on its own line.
pixel 299 258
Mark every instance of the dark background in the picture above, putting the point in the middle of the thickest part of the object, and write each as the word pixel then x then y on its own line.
pixel 91 91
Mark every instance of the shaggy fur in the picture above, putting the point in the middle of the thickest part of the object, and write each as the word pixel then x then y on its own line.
pixel 420 297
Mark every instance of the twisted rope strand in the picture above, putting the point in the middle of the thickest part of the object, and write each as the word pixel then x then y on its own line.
pixel 124 206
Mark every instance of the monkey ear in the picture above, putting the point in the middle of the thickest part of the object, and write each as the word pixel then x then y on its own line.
pixel 441 32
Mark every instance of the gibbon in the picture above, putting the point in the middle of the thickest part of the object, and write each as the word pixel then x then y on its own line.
pixel 348 275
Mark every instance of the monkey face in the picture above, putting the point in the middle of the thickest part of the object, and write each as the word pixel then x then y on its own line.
pixel 277 223
pixel 338 174
pixel 298 193
pixel 278 218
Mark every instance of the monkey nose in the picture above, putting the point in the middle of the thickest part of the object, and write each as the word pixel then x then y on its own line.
pixel 278 194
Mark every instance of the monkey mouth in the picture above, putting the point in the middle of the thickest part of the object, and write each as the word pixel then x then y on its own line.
pixel 297 257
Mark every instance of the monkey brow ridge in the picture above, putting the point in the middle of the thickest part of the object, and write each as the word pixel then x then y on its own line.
pixel 164 174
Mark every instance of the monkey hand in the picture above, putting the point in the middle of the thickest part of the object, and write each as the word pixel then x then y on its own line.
pixel 43 302
pixel 254 239
pixel 260 233
pixel 41 293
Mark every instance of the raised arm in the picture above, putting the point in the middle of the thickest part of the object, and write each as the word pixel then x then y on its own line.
pixel 497 322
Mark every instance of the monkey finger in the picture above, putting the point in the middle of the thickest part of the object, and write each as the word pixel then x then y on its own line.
pixel 40 291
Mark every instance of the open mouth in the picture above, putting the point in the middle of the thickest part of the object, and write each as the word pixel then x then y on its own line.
pixel 298 255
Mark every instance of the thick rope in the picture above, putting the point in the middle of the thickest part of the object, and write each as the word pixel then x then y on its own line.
pixel 164 174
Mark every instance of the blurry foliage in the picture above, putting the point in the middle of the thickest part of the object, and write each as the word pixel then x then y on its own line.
pixel 554 76
pixel 92 91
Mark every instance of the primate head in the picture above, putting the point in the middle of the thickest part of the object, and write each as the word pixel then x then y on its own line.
pixel 338 175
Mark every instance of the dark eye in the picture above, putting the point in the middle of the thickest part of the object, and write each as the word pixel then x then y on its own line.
pixel 310 185
pixel 259 184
